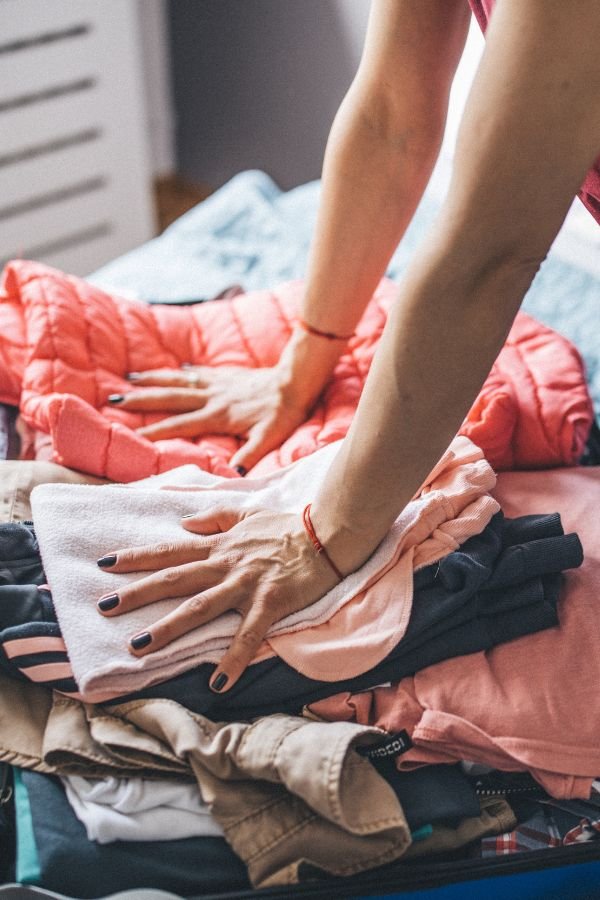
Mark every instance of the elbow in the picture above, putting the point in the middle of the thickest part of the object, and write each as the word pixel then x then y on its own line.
pixel 513 268
pixel 412 130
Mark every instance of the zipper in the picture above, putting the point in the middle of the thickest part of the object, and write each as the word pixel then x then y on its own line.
pixel 504 784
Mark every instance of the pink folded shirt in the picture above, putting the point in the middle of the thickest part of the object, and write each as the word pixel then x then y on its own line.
pixel 345 633
pixel 532 704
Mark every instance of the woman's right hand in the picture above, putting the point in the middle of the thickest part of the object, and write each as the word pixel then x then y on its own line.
pixel 263 405
pixel 250 403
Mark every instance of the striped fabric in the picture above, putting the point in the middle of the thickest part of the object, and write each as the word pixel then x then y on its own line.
pixel 36 651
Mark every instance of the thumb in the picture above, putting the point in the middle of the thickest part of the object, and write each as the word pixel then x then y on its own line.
pixel 212 521
pixel 262 438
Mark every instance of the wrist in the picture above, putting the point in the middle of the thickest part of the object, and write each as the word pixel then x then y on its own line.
pixel 346 545
pixel 305 367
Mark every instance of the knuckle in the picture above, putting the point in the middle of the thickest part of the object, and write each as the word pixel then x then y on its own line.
pixel 171 576
pixel 196 605
pixel 249 638
pixel 268 599
pixel 245 581
pixel 166 548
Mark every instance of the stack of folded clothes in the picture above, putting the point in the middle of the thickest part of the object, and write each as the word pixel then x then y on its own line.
pixel 451 680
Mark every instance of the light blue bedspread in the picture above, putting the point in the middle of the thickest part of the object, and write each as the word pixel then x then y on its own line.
pixel 252 233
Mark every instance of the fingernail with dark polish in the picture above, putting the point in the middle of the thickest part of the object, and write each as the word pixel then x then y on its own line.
pixel 133 376
pixel 240 470
pixel 105 561
pixel 107 603
pixel 141 640
pixel 220 681
pixel 116 398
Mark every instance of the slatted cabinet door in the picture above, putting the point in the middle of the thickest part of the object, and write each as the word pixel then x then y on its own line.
pixel 75 179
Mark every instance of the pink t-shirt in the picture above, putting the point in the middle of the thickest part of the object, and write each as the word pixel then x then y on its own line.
pixel 530 704
pixel 589 194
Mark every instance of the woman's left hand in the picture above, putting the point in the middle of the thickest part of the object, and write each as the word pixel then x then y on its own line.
pixel 261 564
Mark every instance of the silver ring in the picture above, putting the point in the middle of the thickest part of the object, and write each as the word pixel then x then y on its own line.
pixel 193 379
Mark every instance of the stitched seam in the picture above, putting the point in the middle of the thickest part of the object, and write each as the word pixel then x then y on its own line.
pixel 71 748
pixel 86 339
pixel 333 780
pixel 538 402
pixel 107 449
pixel 202 344
pixel 286 322
pixel 310 817
pixel 170 756
pixel 256 363
pixel 278 744
pixel 160 701
pixel 124 332
pixel 160 339
pixel 49 326
pixel 256 812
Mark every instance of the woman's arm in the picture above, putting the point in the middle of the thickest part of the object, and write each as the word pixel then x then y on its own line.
pixel 530 131
pixel 380 153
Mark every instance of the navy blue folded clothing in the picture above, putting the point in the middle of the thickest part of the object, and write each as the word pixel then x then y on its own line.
pixel 20 561
pixel 69 863
pixel 431 795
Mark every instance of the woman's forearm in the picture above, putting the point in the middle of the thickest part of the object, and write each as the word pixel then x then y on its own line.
pixel 380 154
pixel 360 223
pixel 373 179
pixel 433 357
pixel 530 131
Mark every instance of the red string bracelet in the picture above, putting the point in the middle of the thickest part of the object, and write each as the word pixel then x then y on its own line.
pixel 308 525
pixel 330 335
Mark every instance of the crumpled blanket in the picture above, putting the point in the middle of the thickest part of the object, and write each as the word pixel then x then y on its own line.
pixel 65 346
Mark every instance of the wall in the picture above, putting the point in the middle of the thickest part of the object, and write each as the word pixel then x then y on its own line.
pixel 257 84
pixel 156 60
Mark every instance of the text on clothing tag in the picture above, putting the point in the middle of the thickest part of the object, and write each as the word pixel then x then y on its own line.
pixel 388 748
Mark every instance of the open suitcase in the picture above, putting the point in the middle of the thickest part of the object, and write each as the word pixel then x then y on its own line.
pixel 561 872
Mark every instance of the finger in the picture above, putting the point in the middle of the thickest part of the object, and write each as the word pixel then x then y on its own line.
pixel 192 613
pixel 154 556
pixel 261 439
pixel 181 399
pixel 213 521
pixel 243 649
pixel 186 425
pixel 167 377
pixel 176 581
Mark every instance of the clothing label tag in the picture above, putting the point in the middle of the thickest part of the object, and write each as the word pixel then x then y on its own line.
pixel 388 748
